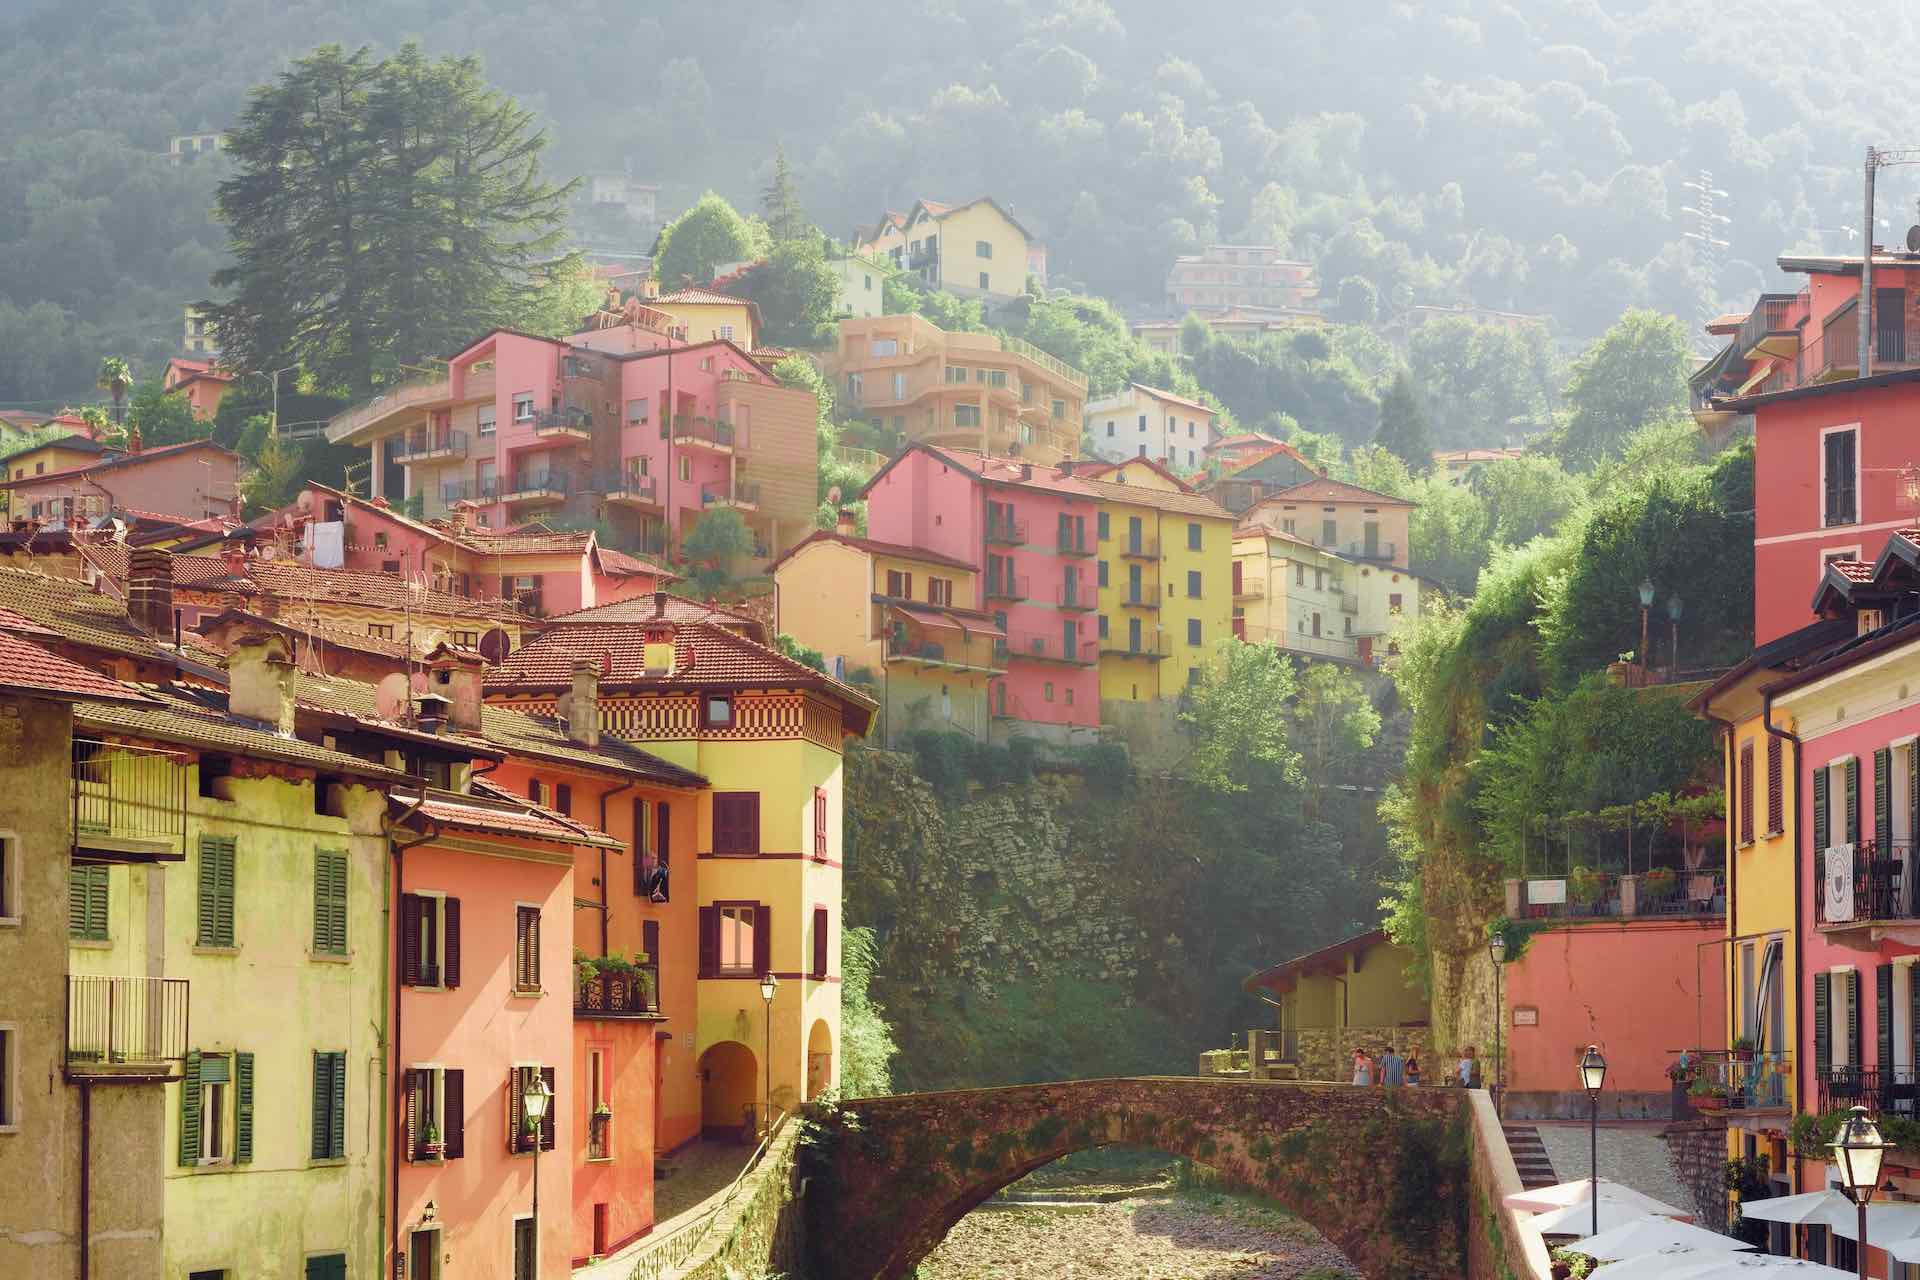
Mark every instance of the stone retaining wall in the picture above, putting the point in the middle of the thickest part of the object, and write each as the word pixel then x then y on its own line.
pixel 761 1233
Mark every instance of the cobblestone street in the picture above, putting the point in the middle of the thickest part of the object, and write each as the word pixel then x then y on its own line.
pixel 1630 1153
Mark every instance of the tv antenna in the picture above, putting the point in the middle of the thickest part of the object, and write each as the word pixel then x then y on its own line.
pixel 1877 159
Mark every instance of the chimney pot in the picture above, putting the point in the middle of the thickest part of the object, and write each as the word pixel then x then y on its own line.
pixel 659 604
pixel 844 522
pixel 583 707
pixel 260 680
pixel 150 590
pixel 1026 471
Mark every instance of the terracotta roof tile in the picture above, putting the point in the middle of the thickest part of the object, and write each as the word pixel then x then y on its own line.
pixel 26 667
pixel 1852 570
pixel 519 818
pixel 679 610
pixel 1190 504
pixel 198 717
pixel 1327 489
pixel 702 297
pixel 872 547
pixel 631 566
pixel 80 614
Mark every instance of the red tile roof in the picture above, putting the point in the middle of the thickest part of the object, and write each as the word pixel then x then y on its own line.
pixel 21 625
pixel 1242 461
pixel 872 547
pixel 624 565
pixel 1168 396
pixel 119 461
pixel 27 668
pixel 702 297
pixel 679 610
pixel 522 819
pixel 1327 489
pixel 1855 570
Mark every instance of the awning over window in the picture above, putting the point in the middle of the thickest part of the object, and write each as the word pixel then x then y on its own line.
pixel 932 615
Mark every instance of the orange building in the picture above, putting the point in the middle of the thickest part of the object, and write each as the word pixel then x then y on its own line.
pixel 202 382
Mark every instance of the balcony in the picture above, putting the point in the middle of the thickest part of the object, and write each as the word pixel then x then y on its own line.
pixel 1140 549
pixel 538 486
pixel 1251 589
pixel 1745 1081
pixel 453 491
pixel 1007 533
pixel 1081 597
pixel 934 653
pixel 627 488
pixel 865 461
pixel 129 803
pixel 1149 649
pixel 1042 647
pixel 1877 883
pixel 1770 329
pixel 1880 1092
pixel 346 426
pixel 1587 895
pixel 1141 599
pixel 1373 550
pixel 745 497
pixel 570 424
pixel 924 258
pixel 1349 602
pixel 1006 586
pixel 612 994
pixel 702 433
pixel 1078 547
pixel 125 1026
pixel 423 446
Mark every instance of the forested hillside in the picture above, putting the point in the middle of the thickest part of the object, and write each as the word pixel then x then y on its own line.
pixel 1519 157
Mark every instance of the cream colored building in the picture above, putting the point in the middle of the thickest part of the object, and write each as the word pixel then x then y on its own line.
pixel 977 249
pixel 1146 422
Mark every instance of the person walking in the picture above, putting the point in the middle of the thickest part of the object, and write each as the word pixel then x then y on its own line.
pixel 1466 1068
pixel 1362 1067
pixel 1413 1068
pixel 1393 1069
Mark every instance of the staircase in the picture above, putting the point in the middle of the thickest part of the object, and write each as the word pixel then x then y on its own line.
pixel 1529 1156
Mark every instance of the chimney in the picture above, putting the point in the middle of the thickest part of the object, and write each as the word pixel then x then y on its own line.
pixel 456 679
pixel 659 604
pixel 457 519
pixel 1026 471
pixel 845 522
pixel 260 681
pixel 583 705
pixel 150 590
pixel 431 712
pixel 133 438
pixel 1066 466
pixel 234 552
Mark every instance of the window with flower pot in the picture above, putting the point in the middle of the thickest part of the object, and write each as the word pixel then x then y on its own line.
pixel 434 1124
pixel 600 1101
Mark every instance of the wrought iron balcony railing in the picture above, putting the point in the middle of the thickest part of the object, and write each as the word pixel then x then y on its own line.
pixel 619 995
pixel 116 1021
pixel 1867 882
pixel 129 803
pixel 1880 1092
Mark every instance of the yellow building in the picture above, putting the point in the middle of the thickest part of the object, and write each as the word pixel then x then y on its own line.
pixel 1165 580
pixel 65 454
pixel 977 249
pixel 707 315
pixel 1351 995
pixel 766 732
pixel 981 391
pixel 904 624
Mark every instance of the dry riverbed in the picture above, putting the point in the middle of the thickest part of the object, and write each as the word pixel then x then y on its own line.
pixel 1159 1232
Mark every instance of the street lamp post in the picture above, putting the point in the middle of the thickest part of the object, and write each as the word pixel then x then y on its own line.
pixel 1646 603
pixel 1593 1074
pixel 1859 1149
pixel 1497 948
pixel 1673 615
pixel 535 1101
pixel 769 984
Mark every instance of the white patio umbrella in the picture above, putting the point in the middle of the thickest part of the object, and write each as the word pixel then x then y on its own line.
pixel 1579 1190
pixel 1653 1232
pixel 1698 1264
pixel 1898 1250
pixel 1885 1221
pixel 1821 1208
pixel 1577 1219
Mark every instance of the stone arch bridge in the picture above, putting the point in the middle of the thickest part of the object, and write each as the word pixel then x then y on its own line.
pixel 1384 1174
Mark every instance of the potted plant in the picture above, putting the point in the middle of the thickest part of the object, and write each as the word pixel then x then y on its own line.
pixel 430 1146
pixel 1586 885
pixel 1659 882
pixel 1743 1049
pixel 601 1111
pixel 1707 1095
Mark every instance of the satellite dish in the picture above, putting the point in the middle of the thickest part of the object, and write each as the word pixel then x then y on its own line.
pixel 1913 239
pixel 390 698
pixel 495 645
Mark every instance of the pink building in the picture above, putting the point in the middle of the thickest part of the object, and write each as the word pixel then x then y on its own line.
pixel 547 571
pixel 197 480
pixel 625 422
pixel 1030 532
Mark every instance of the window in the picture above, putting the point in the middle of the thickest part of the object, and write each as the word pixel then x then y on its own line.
pixel 637 409
pixel 9 1078
pixel 1839 471
pixel 1746 793
pixel 215 912
pixel 523 407
pixel 736 823
pixel 485 483
pixel 563 798
pixel 983 280
pixel 216 1109
pixel 1393 603
pixel 899 386
pixel 886 346
pixel 1104 626
pixel 429 940
pixel 526 1250
pixel 466 639
pixel 717 708
pixel 1047 693
pixel 329 1106
pixel 423 1254
pixel 87 903
pixel 1143 422
pixel 686 470
pixel 821 933
pixel 966 415
pixel 1100 568
pixel 330 902
pixel 1189 431
pixel 820 842
pixel 982 249
pixel 435 1123
pixel 327 1266
pixel 1299 574
pixel 956 374
pixel 526 949
pixel 380 630
pixel 1193 631
pixel 485 418
pixel 940 591
pixel 1319 579
pixel 735 941
pixel 1329 533
pixel 1193 583
pixel 899 585
pixel 1059 408
pixel 726 331
pixel 1193 536
pixel 1109 428
pixel 9 879
pixel 1069 695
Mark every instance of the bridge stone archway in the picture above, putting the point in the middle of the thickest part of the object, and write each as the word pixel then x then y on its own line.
pixel 1381 1173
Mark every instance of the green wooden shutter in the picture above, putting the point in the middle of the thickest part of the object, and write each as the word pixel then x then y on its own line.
pixel 332 1266
pixel 1820 820
pixel 1856 1052
pixel 190 1111
pixel 242 1107
pixel 87 902
pixel 1853 800
pixel 330 902
pixel 216 891
pixel 1822 1023
pixel 1883 1020
pixel 1883 797
pixel 322 1096
pixel 337 1130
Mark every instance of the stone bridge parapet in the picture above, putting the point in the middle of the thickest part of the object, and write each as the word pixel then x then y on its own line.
pixel 1382 1173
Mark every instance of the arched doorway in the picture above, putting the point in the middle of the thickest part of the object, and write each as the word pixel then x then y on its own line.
pixel 819 1059
pixel 729 1090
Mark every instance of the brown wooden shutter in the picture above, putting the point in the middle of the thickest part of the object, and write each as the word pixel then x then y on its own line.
pixel 819 822
pixel 762 939
pixel 549 1124
pixel 726 825
pixel 452 976
pixel 533 951
pixel 453 1105
pixel 709 942
pixel 663 830
pixel 1776 806
pixel 819 942
pixel 516 1112
pixel 410 1120
pixel 638 847
pixel 563 798
pixel 650 939
pixel 1746 794
pixel 522 965
pixel 410 939
pixel 750 822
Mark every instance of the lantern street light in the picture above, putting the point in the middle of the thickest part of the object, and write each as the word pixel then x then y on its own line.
pixel 769 984
pixel 1673 615
pixel 1497 948
pixel 1646 603
pixel 1593 1074
pixel 535 1101
pixel 1859 1150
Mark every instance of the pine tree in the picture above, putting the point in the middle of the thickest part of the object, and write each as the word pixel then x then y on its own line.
pixel 786 220
pixel 381 212
pixel 1403 427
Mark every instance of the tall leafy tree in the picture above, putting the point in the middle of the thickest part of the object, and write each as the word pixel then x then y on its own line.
pixel 1403 427
pixel 708 234
pixel 380 213
pixel 1635 374
pixel 115 377
pixel 786 220
pixel 1239 736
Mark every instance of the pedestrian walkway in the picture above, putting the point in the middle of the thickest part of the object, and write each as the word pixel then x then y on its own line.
pixel 1631 1153
pixel 1530 1157
pixel 700 1171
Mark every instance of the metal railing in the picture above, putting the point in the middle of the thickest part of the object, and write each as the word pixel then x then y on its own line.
pixel 1140 549
pixel 1251 588
pixel 1081 596
pixel 1076 547
pixel 619 994
pixel 113 1020
pixel 1006 586
pixel 1051 363
pixel 1043 647
pixel 1751 1081
pixel 452 491
pixel 1587 894
pixel 865 460
pixel 1878 878
pixel 125 795
pixel 1007 533
pixel 403 396
pixel 744 494
pixel 422 444
pixel 569 419
pixel 600 1136
pixel 1377 551
pixel 1772 313
pixel 1154 646
pixel 625 484
pixel 533 483
pixel 1880 1092
pixel 694 430
pixel 1145 598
